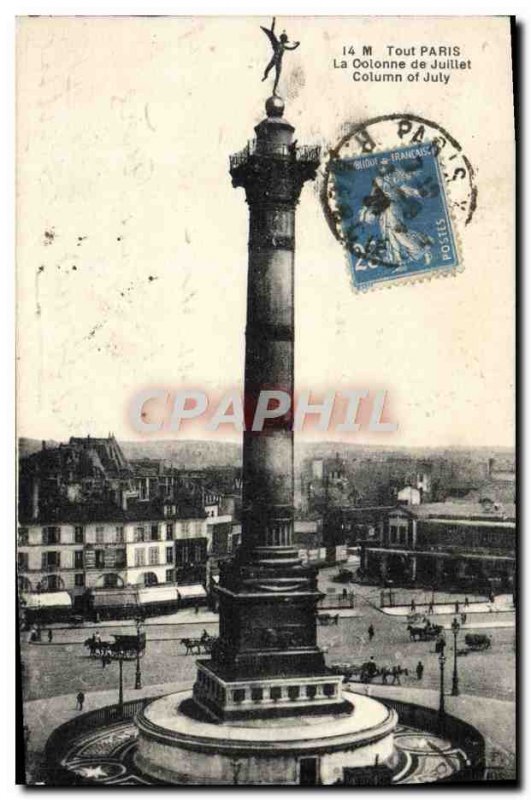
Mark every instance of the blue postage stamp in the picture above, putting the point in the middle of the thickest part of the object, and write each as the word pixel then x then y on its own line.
pixel 392 214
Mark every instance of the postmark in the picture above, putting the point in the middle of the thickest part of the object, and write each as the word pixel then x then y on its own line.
pixel 397 192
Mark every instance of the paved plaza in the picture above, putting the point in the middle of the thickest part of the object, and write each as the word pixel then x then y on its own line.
pixel 62 668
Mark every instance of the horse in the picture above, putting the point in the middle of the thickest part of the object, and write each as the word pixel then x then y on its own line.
pixel 393 672
pixel 191 645
pixel 96 647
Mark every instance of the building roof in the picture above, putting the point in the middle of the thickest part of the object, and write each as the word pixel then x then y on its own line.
pixel 102 511
pixel 462 511
pixel 80 458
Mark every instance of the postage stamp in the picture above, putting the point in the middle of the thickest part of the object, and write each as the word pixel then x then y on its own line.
pixel 392 216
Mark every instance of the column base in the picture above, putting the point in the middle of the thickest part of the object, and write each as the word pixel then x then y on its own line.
pixel 223 699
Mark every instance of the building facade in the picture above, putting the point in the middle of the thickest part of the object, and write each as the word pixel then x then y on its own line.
pixel 87 549
pixel 461 545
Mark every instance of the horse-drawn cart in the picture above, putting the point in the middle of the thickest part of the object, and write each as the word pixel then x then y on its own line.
pixel 127 646
pixel 328 619
pixel 203 644
pixel 477 641
pixel 424 632
pixel 369 671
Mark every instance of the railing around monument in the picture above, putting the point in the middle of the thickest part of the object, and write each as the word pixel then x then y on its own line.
pixel 62 737
pixel 309 153
pixel 460 733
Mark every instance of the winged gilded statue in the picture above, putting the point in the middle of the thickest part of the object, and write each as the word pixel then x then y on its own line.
pixel 279 44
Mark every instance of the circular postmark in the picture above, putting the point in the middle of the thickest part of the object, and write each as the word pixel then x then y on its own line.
pixel 397 190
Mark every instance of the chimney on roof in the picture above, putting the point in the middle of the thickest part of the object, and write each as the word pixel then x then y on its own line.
pixel 44 444
pixel 35 491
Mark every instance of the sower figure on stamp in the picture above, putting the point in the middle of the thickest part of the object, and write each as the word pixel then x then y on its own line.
pixel 279 45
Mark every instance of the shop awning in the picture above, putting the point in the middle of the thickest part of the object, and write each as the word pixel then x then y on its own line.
pixel 195 591
pixel 157 594
pixel 115 599
pixel 47 600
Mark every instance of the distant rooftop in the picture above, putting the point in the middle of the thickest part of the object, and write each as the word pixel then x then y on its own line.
pixel 465 510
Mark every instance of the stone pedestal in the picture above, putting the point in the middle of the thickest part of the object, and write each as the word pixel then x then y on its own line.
pixel 179 746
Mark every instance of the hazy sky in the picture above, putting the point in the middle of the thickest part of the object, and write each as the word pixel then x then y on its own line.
pixel 124 131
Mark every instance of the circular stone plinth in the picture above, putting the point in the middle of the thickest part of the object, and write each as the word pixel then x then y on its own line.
pixel 176 746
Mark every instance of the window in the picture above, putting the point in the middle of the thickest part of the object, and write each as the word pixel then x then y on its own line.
pixel 257 693
pixel 191 551
pixel 155 533
pixel 120 537
pixel 311 691
pixel 79 534
pixel 78 559
pixel 170 576
pixel 294 692
pixel 100 558
pixel 153 555
pixel 50 535
pixel 198 553
pixel 50 560
pixel 23 561
pixel 169 555
pixel 276 693
pixel 139 534
pixel 169 530
pixel 54 584
pixel 150 579
pixel 22 535
pixel 238 695
pixel 99 534
pixel 140 557
pixel 79 579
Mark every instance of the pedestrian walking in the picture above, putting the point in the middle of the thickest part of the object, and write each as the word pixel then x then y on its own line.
pixel 370 631
pixel 413 604
pixel 197 608
pixel 50 635
pixel 80 700
pixel 466 602
pixel 430 607
pixel 457 606
pixel 463 618
pixel 420 670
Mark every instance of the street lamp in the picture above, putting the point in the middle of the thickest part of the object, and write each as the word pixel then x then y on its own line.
pixel 138 674
pixel 121 683
pixel 455 681
pixel 442 659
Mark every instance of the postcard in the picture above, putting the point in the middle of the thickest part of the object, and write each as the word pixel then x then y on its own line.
pixel 266 401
